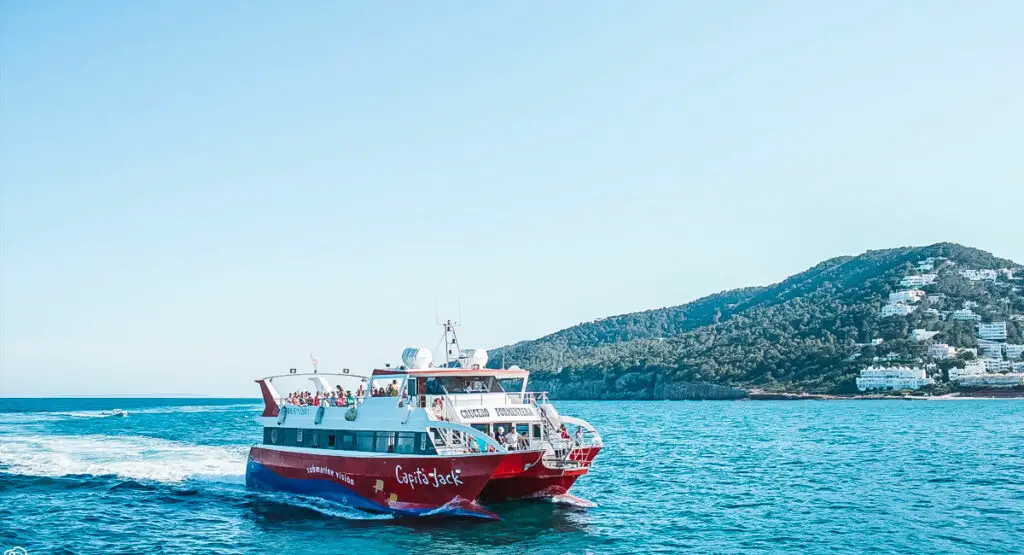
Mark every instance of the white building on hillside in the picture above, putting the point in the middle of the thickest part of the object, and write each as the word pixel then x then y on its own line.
pixel 918 281
pixel 990 349
pixel 973 368
pixel 995 331
pixel 979 275
pixel 922 334
pixel 896 309
pixel 966 314
pixel 1011 379
pixel 996 365
pixel 941 351
pixel 1014 351
pixel 892 377
pixel 908 296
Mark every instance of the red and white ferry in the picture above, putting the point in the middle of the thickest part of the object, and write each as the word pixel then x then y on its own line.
pixel 431 446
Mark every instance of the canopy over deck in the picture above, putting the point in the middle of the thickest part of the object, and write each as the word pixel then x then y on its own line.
pixel 506 373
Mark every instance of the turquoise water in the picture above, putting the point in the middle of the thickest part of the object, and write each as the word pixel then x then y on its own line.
pixel 737 477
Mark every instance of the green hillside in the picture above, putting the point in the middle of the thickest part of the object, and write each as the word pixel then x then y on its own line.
pixel 807 333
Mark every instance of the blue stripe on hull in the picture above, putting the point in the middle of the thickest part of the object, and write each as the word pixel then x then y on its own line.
pixel 258 476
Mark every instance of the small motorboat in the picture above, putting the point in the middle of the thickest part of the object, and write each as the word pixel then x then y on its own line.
pixel 119 412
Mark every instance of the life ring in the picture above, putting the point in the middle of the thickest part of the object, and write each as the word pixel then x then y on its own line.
pixel 319 415
pixel 282 415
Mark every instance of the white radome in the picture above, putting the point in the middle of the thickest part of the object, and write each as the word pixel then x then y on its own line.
pixel 417 357
pixel 474 358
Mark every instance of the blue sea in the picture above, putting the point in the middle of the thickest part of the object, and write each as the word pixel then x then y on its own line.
pixel 712 477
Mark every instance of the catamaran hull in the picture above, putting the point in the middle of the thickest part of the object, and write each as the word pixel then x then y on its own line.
pixel 537 480
pixel 412 485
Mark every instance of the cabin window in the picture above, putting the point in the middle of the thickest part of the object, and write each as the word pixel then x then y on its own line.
pixel 385 442
pixel 423 442
pixel 330 441
pixel 536 430
pixel 406 442
pixel 315 438
pixel 411 385
pixel 434 387
pixel 364 441
pixel 298 438
pixel 523 430
pixel 510 385
pixel 348 441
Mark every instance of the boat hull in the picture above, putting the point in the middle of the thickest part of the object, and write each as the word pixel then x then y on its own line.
pixel 537 480
pixel 413 485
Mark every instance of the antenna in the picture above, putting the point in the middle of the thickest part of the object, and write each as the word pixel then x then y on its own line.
pixel 452 351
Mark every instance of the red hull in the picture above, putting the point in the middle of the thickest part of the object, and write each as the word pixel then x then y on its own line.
pixel 537 480
pixel 414 484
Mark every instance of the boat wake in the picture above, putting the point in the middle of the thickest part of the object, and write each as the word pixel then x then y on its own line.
pixel 571 500
pixel 127 457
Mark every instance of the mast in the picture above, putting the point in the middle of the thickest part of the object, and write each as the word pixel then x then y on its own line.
pixel 451 343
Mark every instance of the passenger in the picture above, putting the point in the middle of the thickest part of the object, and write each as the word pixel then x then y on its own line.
pixel 500 436
pixel 512 439
pixel 564 432
pixel 349 400
pixel 579 434
pixel 360 392
pixel 393 388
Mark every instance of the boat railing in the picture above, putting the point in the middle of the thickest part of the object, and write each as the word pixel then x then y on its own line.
pixel 452 438
pixel 535 398
pixel 587 437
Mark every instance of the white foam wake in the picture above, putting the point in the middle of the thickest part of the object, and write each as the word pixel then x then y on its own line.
pixel 130 457
pixel 571 500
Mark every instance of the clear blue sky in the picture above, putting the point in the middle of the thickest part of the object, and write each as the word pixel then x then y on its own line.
pixel 195 194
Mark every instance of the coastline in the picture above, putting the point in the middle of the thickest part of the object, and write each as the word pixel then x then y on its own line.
pixel 985 394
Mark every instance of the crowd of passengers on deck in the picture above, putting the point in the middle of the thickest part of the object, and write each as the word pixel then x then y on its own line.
pixel 336 397
pixel 339 397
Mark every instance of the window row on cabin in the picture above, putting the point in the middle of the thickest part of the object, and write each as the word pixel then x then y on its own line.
pixel 415 443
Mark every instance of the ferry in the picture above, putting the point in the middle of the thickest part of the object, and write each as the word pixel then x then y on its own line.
pixel 424 440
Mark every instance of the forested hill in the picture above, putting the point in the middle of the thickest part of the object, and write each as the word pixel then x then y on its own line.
pixel 810 332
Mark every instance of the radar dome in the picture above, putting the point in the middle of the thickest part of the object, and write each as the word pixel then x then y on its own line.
pixel 417 357
pixel 474 358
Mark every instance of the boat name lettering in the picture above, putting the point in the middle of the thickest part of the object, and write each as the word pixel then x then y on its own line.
pixel 420 477
pixel 329 472
pixel 513 411
pixel 299 411
pixel 475 413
